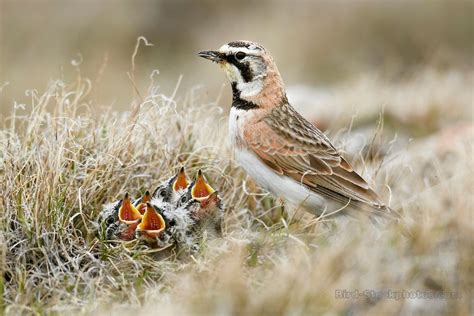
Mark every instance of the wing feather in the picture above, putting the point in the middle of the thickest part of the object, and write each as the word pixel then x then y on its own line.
pixel 297 149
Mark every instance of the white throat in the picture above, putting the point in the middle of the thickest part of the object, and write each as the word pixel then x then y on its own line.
pixel 250 89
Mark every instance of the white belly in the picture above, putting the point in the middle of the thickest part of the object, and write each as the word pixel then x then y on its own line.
pixel 284 187
pixel 234 120
pixel 281 186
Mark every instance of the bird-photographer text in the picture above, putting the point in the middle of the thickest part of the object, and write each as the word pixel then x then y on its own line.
pixel 377 294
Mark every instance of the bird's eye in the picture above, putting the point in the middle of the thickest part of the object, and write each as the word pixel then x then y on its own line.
pixel 110 220
pixel 162 193
pixel 240 55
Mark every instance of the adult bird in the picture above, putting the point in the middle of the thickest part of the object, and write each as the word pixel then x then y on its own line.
pixel 283 152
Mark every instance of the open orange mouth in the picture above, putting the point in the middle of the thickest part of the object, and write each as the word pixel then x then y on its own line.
pixel 152 223
pixel 201 188
pixel 145 199
pixel 128 214
pixel 181 181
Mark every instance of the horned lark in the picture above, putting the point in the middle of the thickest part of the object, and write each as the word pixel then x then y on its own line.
pixel 152 224
pixel 281 150
pixel 198 189
pixel 207 214
pixel 170 190
pixel 126 220
pixel 199 212
pixel 178 214
pixel 203 202
pixel 120 219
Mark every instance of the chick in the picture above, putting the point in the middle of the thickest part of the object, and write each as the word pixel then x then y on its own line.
pixel 199 211
pixel 207 214
pixel 170 190
pixel 152 226
pixel 120 219
pixel 176 213
pixel 199 188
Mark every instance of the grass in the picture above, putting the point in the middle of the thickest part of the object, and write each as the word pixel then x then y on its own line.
pixel 62 157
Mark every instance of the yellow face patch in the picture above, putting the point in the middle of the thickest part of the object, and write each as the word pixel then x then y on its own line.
pixel 230 70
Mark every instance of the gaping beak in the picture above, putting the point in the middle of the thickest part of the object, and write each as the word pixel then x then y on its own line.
pixel 128 214
pixel 145 199
pixel 152 223
pixel 181 181
pixel 201 188
pixel 211 55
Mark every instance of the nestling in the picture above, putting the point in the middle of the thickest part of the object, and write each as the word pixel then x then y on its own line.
pixel 170 190
pixel 199 213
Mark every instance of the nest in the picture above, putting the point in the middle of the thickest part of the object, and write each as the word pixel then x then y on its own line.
pixel 177 213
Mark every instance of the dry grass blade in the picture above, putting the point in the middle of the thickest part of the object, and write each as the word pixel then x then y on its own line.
pixel 59 163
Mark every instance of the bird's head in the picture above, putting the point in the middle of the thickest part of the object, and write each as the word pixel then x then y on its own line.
pixel 251 71
pixel 174 185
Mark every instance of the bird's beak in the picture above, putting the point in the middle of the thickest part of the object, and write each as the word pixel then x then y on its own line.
pixel 152 224
pixel 211 55
pixel 128 214
pixel 201 188
pixel 145 199
pixel 181 181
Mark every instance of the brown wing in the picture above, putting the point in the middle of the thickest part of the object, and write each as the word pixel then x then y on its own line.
pixel 292 146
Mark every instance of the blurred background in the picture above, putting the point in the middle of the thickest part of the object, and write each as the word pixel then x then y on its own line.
pixel 315 43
